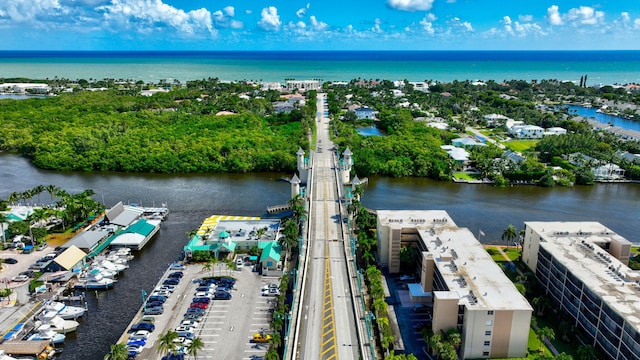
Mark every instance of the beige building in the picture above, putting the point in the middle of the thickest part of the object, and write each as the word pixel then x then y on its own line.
pixel 466 289
pixel 582 268
pixel 302 85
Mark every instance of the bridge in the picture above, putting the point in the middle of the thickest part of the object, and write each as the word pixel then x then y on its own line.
pixel 328 313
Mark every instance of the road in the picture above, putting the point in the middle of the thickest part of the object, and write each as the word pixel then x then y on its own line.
pixel 327 326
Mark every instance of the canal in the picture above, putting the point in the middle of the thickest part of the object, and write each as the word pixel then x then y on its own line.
pixel 191 198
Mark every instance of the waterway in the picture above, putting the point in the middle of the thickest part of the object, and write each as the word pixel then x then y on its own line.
pixel 191 198
pixel 592 113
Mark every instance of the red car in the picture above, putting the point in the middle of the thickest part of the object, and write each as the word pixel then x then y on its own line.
pixel 199 305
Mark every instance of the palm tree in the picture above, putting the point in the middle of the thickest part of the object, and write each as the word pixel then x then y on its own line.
pixel 207 266
pixel 586 352
pixel 117 352
pixel 272 354
pixel 509 234
pixel 3 219
pixel 195 346
pixel 540 303
pixel 276 340
pixel 166 344
pixel 51 189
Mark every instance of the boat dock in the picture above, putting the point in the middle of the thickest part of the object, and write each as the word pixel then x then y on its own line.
pixel 278 208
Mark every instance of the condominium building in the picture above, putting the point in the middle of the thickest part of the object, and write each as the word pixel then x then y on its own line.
pixel 466 289
pixel 582 267
pixel 302 85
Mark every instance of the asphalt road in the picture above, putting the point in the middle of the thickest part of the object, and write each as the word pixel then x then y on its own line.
pixel 327 328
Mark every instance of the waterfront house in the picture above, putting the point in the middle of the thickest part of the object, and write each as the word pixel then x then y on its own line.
pixel 460 156
pixel 526 131
pixel 555 131
pixel 494 120
pixel 364 112
pixel 633 158
pixel 465 142
pixel 283 107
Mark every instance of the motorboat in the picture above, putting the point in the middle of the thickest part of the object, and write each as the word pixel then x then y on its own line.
pixel 113 266
pixel 65 311
pixel 48 335
pixel 95 281
pixel 50 320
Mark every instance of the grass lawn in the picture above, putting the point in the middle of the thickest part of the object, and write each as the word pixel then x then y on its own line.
pixel 635 250
pixel 467 176
pixel 520 145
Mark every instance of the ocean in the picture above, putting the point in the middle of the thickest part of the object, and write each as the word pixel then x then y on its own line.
pixel 601 67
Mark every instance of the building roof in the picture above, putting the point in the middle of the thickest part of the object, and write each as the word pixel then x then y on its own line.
pixel 271 251
pixel 88 239
pixel 574 244
pixel 135 233
pixel 123 215
pixel 70 257
pixel 467 269
pixel 458 154
pixel 24 347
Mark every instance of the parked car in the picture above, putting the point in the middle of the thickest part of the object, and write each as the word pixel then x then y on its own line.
pixel 205 300
pixel 192 323
pixel 177 266
pixel 177 274
pixel 271 292
pixel 192 317
pixel 227 280
pixel 153 311
pixel 199 305
pixel 137 349
pixel 142 326
pixel 42 246
pixel 173 357
pixel 151 304
pixel 161 293
pixel 189 329
pixel 10 261
pixel 222 296
pixel 28 273
pixel 195 311
pixel 157 298
pixel 186 335
pixel 171 281
pixel 270 286
pixel 148 319
pixel 140 334
pixel 169 288
pixel 20 278
pixel 204 288
pixel 261 337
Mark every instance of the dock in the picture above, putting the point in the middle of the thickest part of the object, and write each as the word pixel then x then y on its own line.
pixel 278 208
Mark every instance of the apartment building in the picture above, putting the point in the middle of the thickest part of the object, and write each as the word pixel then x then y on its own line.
pixel 582 267
pixel 464 287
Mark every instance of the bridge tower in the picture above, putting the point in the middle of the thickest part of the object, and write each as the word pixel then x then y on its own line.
pixel 295 185
pixel 345 165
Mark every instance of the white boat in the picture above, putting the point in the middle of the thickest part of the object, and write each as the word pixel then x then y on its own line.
pixel 111 266
pixel 65 311
pixel 50 320
pixel 95 271
pixel 95 281
pixel 49 335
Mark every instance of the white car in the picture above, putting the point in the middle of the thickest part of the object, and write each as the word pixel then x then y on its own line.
pixel 183 328
pixel 269 286
pixel 191 323
pixel 135 348
pixel 206 294
pixel 182 341
pixel 20 278
pixel 169 288
pixel 140 334
pixel 177 266
pixel 271 292
pixel 161 293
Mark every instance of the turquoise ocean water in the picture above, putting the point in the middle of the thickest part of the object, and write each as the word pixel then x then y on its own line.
pixel 606 67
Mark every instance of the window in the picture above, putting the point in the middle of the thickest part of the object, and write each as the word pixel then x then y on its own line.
pixel 489 322
pixel 485 353
pixel 487 333
pixel 487 343
pixel 490 312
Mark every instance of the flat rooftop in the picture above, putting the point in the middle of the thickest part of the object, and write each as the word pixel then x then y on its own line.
pixel 235 228
pixel 574 245
pixel 468 270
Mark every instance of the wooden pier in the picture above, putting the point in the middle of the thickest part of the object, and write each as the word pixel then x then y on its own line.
pixel 278 208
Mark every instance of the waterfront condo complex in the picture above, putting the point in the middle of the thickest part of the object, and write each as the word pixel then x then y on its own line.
pixel 459 282
pixel 582 267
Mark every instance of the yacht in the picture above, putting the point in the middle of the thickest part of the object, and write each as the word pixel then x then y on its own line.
pixel 49 335
pixel 65 311
pixel 95 281
pixel 50 320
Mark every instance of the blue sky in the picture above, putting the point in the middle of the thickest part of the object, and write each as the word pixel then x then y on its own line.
pixel 319 25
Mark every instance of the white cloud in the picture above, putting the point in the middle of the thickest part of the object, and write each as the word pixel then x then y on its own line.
pixel 224 18
pixel 248 11
pixel 376 27
pixel 29 10
pixel 525 18
pixel 636 24
pixel 229 10
pixel 150 15
pixel 553 15
pixel 507 24
pixel 585 15
pixel 303 11
pixel 456 22
pixel 269 19
pixel 410 5
pixel 624 17
pixel 235 24
pixel 317 25
pixel 427 23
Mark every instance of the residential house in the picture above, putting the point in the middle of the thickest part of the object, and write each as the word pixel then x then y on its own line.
pixel 283 107
pixel 364 113
pixel 459 155
pixel 555 131
pixel 526 131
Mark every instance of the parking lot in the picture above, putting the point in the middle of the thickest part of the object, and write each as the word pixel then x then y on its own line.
pixel 227 326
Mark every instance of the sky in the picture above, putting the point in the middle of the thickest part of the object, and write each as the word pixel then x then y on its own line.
pixel 319 25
